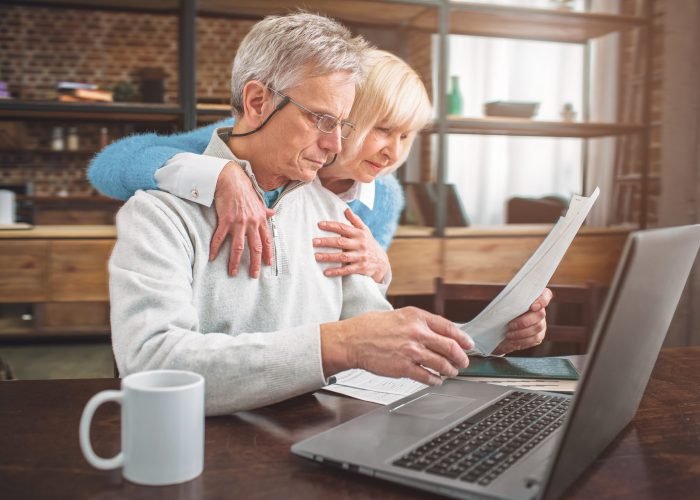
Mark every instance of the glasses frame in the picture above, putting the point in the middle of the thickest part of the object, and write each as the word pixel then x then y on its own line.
pixel 321 116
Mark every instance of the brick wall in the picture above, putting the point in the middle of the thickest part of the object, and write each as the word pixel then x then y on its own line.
pixel 40 46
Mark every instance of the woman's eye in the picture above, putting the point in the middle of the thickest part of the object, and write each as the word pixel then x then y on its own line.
pixel 404 137
pixel 384 130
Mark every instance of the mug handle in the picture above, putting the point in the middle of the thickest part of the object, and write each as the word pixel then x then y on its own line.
pixel 86 421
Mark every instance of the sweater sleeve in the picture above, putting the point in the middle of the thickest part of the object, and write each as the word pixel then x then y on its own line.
pixel 156 324
pixel 129 164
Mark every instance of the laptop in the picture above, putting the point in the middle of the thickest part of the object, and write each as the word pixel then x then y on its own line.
pixel 476 440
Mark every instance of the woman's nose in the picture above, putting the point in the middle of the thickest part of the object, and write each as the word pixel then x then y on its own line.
pixel 391 150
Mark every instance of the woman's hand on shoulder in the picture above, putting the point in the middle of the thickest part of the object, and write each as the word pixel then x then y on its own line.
pixel 241 215
pixel 359 251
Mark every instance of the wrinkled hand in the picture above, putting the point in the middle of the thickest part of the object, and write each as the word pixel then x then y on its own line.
pixel 242 215
pixel 400 343
pixel 360 253
pixel 528 329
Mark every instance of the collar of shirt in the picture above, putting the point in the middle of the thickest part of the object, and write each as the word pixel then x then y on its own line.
pixel 364 192
pixel 218 146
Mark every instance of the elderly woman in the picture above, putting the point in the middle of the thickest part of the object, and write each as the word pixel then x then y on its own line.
pixel 390 108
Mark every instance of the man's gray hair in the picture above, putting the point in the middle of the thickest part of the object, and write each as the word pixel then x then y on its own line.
pixel 282 51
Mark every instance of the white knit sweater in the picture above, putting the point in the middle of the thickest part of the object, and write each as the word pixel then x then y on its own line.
pixel 256 341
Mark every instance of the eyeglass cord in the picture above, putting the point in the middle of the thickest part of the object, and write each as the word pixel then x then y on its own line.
pixel 282 104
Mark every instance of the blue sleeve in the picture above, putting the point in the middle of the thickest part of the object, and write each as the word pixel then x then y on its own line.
pixel 383 219
pixel 129 164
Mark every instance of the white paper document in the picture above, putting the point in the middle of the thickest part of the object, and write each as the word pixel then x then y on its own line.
pixel 488 329
pixel 361 384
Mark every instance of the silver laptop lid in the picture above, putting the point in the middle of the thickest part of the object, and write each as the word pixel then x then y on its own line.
pixel 643 297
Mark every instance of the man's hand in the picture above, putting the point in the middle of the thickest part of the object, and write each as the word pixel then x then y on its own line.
pixel 360 253
pixel 400 343
pixel 242 215
pixel 528 329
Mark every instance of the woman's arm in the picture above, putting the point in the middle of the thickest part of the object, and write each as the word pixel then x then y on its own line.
pixel 133 163
pixel 130 164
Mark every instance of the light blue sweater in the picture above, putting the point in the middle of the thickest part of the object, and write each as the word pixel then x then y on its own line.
pixel 129 164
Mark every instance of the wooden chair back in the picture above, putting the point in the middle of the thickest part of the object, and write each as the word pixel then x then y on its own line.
pixel 586 298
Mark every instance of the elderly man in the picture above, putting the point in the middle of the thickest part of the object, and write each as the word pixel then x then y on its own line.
pixel 258 341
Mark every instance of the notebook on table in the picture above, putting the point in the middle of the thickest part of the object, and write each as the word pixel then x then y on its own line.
pixel 471 440
pixel 514 367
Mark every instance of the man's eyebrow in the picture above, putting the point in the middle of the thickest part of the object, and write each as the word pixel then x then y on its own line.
pixel 325 112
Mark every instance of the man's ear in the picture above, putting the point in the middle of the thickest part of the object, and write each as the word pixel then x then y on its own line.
pixel 256 101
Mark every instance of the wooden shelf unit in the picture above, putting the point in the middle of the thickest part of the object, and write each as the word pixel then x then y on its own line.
pixel 534 128
pixel 41 110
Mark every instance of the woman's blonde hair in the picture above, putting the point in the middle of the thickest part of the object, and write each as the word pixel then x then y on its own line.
pixel 392 93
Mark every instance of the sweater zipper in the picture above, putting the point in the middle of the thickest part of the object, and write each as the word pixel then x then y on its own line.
pixel 273 226
pixel 274 244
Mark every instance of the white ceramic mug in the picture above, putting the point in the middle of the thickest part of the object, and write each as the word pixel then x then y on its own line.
pixel 162 427
pixel 7 206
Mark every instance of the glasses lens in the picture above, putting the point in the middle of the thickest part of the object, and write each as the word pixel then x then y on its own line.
pixel 327 123
pixel 346 128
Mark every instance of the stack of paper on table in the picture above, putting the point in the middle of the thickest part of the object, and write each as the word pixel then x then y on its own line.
pixel 489 327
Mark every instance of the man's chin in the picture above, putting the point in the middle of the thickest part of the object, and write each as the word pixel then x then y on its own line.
pixel 308 175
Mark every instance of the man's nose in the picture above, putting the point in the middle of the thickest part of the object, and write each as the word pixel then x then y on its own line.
pixel 331 142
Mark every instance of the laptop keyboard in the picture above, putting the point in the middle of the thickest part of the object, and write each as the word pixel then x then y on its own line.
pixel 480 448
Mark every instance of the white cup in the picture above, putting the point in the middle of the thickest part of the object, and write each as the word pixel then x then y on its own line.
pixel 162 427
pixel 7 206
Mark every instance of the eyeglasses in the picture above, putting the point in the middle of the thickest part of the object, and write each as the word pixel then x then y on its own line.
pixel 325 123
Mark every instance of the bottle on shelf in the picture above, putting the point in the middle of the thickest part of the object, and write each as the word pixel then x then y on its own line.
pixel 568 114
pixel 454 99
pixel 73 140
pixel 57 143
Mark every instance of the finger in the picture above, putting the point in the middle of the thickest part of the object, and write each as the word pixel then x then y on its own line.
pixel 266 240
pixel 420 374
pixel 338 227
pixel 439 363
pixel 237 246
pixel 354 219
pixel 220 235
pixel 345 271
pixel 448 350
pixel 446 328
pixel 255 252
pixel 342 257
pixel 542 301
pixel 504 348
pixel 525 333
pixel 527 319
pixel 515 345
pixel 343 243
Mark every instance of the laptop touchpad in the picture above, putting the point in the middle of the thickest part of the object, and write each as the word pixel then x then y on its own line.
pixel 433 406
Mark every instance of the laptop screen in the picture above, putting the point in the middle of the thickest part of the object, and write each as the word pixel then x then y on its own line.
pixel 630 331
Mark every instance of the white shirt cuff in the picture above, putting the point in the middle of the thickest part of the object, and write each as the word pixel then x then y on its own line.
pixel 191 177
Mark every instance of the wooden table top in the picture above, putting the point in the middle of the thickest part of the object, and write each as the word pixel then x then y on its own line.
pixel 247 454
